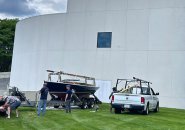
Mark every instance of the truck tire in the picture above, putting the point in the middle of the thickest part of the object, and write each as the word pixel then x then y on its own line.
pixel 117 110
pixel 146 112
pixel 157 108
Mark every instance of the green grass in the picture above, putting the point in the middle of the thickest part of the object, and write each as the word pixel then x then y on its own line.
pixel 166 119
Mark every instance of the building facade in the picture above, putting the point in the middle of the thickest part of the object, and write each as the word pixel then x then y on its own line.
pixel 106 39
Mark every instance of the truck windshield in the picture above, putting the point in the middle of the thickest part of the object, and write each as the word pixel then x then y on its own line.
pixel 138 90
pixel 135 90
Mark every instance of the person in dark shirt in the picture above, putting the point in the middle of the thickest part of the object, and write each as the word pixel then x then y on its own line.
pixel 114 90
pixel 68 99
pixel 43 100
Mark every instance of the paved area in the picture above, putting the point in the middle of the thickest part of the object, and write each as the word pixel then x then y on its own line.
pixel 3 83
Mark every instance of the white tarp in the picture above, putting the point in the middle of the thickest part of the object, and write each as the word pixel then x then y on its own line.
pixel 104 91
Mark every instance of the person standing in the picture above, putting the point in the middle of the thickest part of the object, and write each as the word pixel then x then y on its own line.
pixel 11 103
pixel 114 90
pixel 68 99
pixel 43 100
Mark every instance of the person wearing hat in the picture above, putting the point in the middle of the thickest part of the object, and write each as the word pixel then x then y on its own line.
pixel 68 99
pixel 43 100
pixel 11 103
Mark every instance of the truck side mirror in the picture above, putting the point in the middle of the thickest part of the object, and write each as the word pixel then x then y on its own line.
pixel 157 93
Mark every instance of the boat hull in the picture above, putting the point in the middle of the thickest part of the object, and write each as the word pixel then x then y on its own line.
pixel 59 89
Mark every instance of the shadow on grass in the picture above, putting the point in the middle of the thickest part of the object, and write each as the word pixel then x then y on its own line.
pixel 137 113
pixel 27 109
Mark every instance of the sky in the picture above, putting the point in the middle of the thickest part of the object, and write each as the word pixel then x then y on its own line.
pixel 26 8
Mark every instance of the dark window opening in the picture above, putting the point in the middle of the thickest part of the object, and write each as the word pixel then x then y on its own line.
pixel 104 39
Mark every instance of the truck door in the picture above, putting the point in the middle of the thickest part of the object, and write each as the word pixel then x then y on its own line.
pixel 149 96
pixel 154 98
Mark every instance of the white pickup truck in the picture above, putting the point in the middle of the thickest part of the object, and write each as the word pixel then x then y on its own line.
pixel 135 97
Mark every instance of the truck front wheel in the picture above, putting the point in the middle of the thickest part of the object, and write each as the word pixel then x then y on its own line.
pixel 146 112
pixel 157 108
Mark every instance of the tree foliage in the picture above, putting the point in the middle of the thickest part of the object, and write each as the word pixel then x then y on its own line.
pixel 7 31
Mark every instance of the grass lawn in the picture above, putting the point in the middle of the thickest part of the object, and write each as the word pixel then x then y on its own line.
pixel 166 119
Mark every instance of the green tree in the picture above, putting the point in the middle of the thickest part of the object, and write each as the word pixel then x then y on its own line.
pixel 7 31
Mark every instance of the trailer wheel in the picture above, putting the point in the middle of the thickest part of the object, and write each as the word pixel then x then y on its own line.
pixel 91 103
pixel 117 110
pixel 84 104
pixel 157 108
pixel 56 106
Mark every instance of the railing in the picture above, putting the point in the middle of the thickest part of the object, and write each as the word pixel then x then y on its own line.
pixel 60 73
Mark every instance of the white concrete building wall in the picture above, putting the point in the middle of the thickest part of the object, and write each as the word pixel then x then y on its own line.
pixel 147 42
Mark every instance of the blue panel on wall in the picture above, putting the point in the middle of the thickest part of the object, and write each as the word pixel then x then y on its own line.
pixel 104 39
